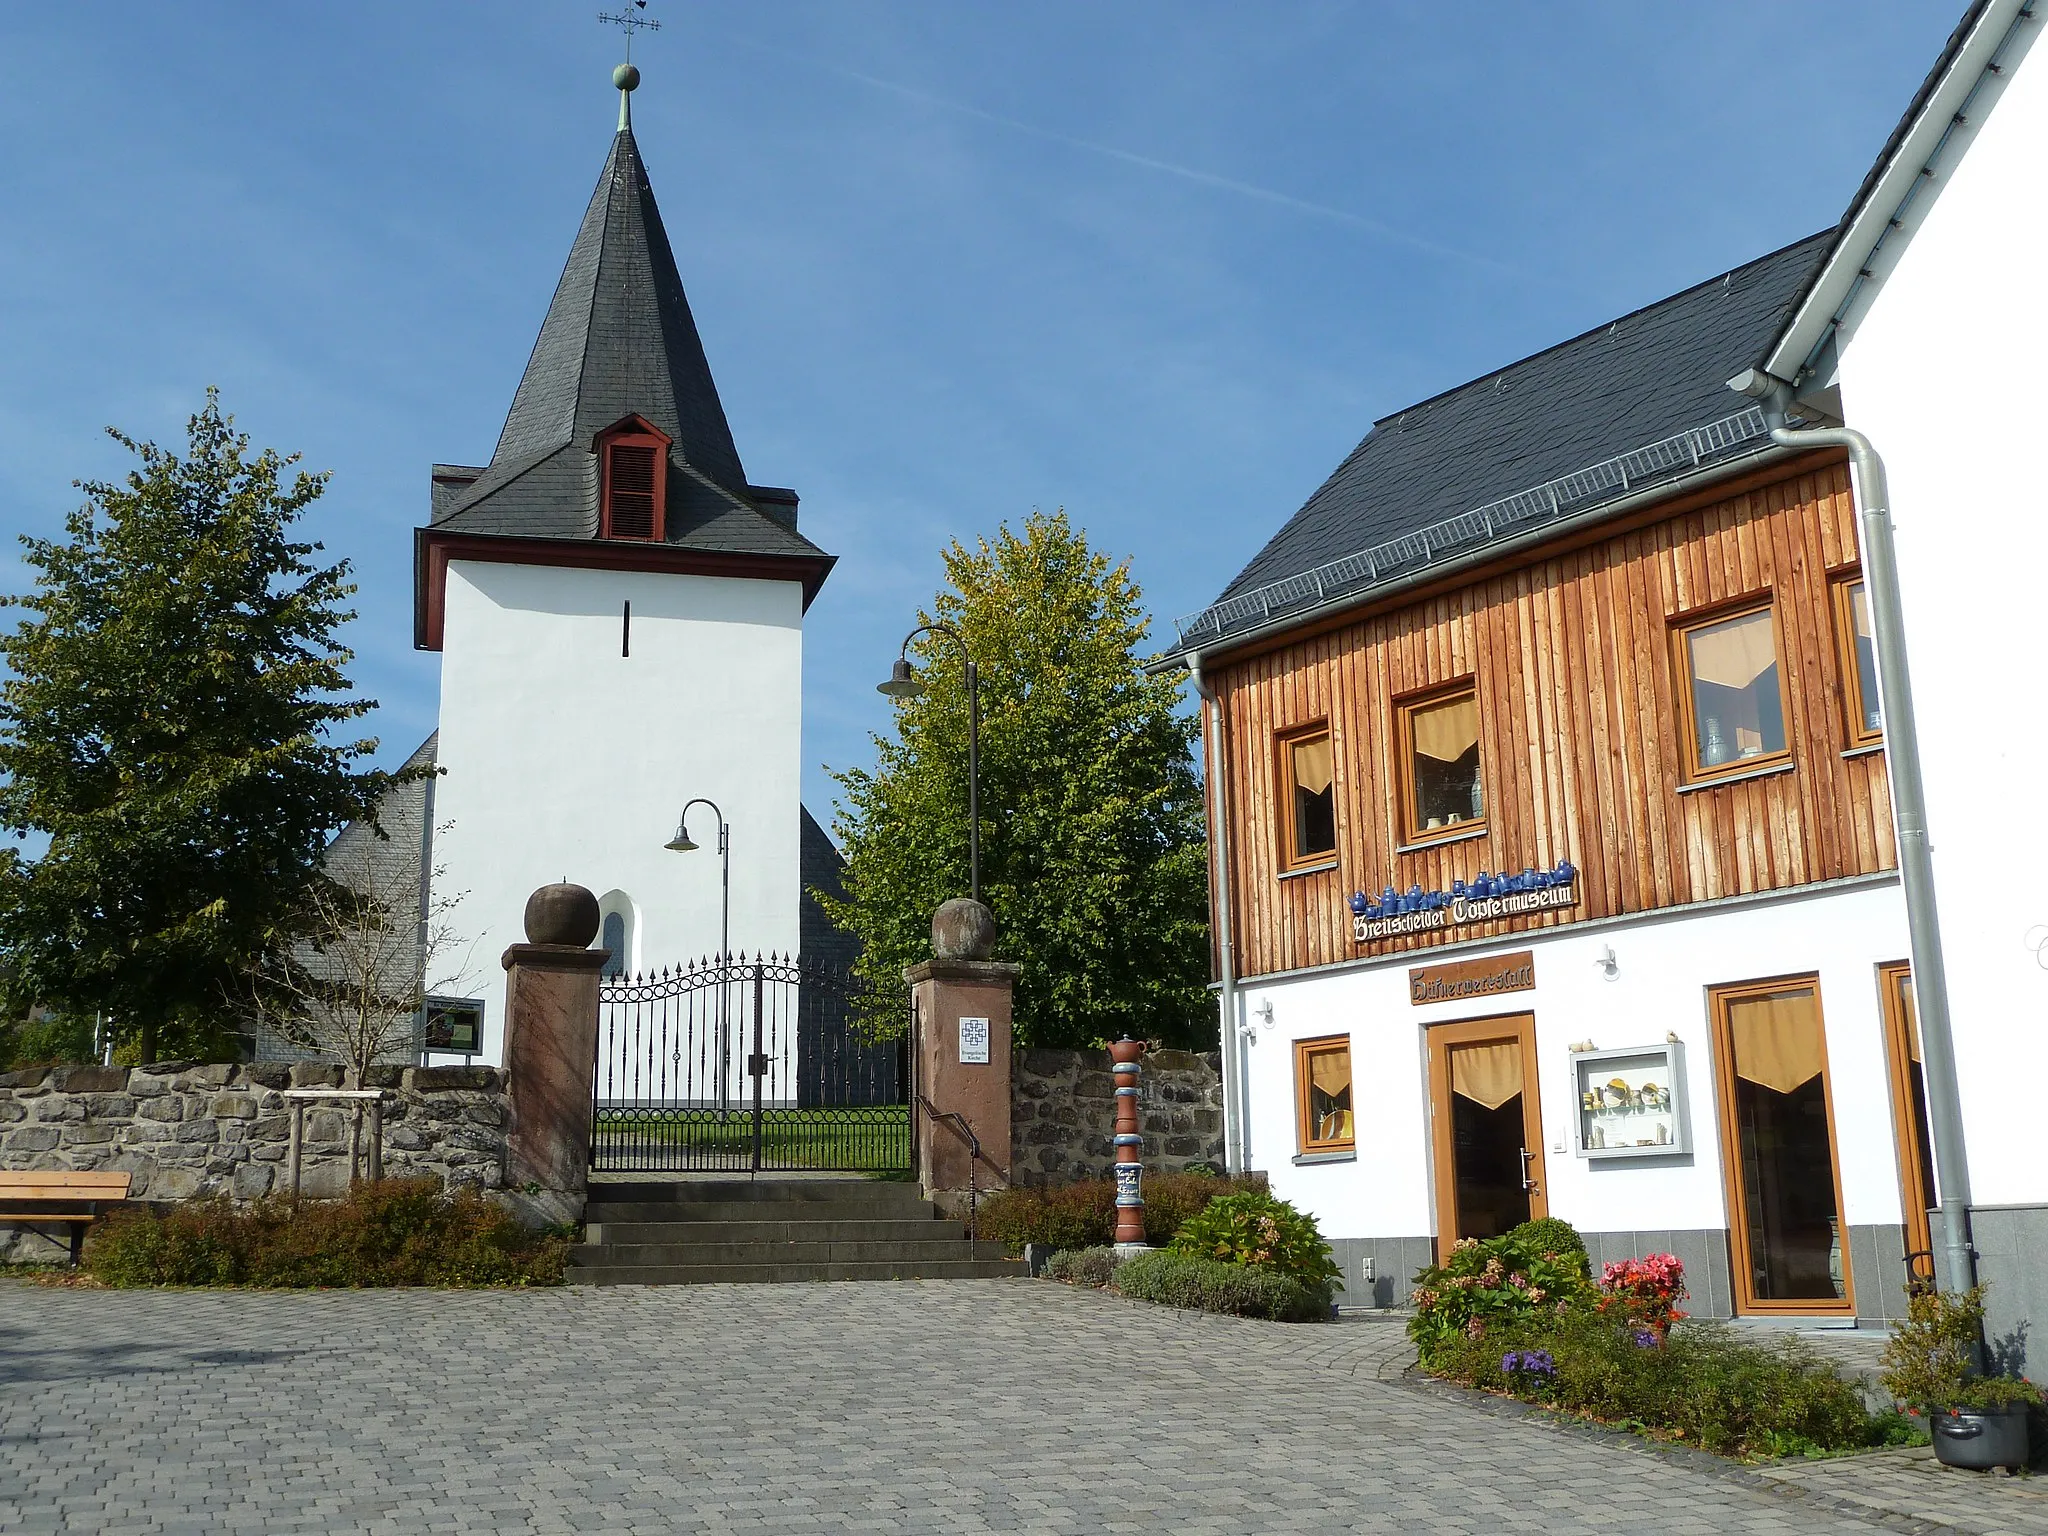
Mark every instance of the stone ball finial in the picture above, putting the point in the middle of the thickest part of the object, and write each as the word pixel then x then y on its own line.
pixel 963 929
pixel 626 77
pixel 561 914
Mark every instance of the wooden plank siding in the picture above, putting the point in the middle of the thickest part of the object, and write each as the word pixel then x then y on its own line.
pixel 1580 755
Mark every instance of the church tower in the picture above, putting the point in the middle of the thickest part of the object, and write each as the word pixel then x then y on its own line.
pixel 619 613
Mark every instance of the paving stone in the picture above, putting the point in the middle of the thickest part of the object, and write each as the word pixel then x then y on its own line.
pixel 969 1406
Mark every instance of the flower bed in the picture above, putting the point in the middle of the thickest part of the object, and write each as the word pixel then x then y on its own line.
pixel 1083 1215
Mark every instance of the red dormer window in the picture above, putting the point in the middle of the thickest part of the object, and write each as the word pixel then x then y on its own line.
pixel 633 470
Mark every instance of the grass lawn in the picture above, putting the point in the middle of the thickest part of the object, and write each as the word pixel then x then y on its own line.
pixel 875 1138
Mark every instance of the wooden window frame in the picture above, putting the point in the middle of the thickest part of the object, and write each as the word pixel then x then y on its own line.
pixel 1521 1028
pixel 1682 625
pixel 1305 1138
pixel 633 432
pixel 1854 706
pixel 1746 1303
pixel 1284 743
pixel 1412 833
pixel 1915 1201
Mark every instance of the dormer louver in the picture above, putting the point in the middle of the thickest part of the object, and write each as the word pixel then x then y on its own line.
pixel 633 470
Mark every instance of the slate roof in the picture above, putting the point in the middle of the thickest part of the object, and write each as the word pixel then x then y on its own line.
pixel 1650 375
pixel 618 340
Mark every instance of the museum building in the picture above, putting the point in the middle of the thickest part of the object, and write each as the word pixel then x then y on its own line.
pixel 1555 865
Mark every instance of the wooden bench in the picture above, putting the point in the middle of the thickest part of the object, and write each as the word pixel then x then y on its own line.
pixel 45 1195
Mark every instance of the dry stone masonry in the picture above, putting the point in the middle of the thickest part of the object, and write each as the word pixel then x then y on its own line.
pixel 188 1130
pixel 1064 1105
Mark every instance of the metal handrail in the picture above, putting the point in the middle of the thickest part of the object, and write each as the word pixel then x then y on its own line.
pixel 957 1122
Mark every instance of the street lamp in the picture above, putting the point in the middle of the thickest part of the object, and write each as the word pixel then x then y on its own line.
pixel 682 842
pixel 903 684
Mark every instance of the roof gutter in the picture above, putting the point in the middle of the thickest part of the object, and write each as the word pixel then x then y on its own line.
pixel 1849 265
pixel 1483 555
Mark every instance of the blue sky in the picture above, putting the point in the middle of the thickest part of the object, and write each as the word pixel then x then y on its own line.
pixel 1161 262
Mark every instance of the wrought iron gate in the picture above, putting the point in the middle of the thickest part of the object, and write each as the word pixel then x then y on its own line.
pixel 742 1065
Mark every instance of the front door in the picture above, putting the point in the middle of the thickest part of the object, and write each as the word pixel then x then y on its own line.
pixel 1909 1116
pixel 1786 1239
pixel 1487 1127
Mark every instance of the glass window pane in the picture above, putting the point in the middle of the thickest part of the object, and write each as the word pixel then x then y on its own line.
pixel 1444 738
pixel 1736 709
pixel 1326 1077
pixel 1866 659
pixel 1315 797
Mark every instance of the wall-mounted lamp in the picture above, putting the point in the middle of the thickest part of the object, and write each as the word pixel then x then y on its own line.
pixel 1609 966
pixel 1264 1014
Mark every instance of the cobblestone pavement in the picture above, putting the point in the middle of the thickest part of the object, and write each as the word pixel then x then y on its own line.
pixel 962 1406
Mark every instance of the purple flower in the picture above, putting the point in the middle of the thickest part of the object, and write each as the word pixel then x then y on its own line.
pixel 1644 1338
pixel 1532 1362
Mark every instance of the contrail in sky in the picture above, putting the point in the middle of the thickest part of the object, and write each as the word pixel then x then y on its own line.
pixel 1146 162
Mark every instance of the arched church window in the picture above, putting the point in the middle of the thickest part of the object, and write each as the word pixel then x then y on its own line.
pixel 614 941
pixel 633 461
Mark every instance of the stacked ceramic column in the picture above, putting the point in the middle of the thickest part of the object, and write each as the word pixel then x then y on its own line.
pixel 1130 1172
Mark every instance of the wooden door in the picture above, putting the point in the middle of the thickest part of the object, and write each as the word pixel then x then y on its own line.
pixel 1487 1127
pixel 1917 1189
pixel 1788 1244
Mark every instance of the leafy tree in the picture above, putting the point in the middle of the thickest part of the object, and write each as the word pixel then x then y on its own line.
pixel 1092 823
pixel 165 726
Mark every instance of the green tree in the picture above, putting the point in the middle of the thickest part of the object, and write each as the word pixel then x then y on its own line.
pixel 1093 857
pixel 166 727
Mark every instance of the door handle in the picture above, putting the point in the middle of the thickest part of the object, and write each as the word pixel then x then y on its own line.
pixel 1528 1184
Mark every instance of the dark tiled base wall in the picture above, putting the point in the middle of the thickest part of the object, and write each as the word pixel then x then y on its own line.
pixel 2012 1259
pixel 1876 1256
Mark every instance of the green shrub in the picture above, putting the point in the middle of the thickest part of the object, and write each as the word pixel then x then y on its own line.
pixel 52 1042
pixel 1083 1266
pixel 1176 1279
pixel 400 1232
pixel 1930 1360
pixel 1083 1214
pixel 1704 1385
pixel 1553 1237
pixel 1258 1230
pixel 1482 1287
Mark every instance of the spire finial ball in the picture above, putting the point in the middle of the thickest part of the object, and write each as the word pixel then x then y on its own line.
pixel 626 77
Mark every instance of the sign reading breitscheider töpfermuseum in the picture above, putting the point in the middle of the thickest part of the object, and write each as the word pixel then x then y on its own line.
pixel 1487 899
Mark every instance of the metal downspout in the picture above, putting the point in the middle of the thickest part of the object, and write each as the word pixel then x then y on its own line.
pixel 1236 1150
pixel 1909 815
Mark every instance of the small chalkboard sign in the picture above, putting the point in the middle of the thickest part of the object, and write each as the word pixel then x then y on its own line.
pixel 454 1025
pixel 974 1041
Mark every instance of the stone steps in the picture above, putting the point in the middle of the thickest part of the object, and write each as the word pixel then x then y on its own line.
pixel 707 1231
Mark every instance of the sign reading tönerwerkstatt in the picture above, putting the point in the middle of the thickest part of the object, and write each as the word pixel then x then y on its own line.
pixel 1486 899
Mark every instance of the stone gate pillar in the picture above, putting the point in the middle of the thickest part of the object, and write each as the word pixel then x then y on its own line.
pixel 551 1052
pixel 961 1000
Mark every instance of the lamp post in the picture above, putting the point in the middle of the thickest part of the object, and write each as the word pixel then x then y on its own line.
pixel 682 843
pixel 903 684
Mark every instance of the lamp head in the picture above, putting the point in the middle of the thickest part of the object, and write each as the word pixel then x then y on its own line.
pixel 903 683
pixel 681 843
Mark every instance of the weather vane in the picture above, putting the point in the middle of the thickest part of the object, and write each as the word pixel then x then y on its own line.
pixel 630 22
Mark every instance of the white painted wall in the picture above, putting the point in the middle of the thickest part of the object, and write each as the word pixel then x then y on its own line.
pixel 1664 967
pixel 564 758
pixel 1941 365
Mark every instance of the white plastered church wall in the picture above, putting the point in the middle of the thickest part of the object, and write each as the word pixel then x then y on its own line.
pixel 1941 368
pixel 564 758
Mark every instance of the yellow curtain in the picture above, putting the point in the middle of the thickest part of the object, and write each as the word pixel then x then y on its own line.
pixel 1776 1039
pixel 1312 764
pixel 1735 653
pixel 1487 1074
pixel 1448 731
pixel 1330 1072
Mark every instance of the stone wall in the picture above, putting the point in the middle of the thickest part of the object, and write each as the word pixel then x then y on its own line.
pixel 1063 1107
pixel 188 1130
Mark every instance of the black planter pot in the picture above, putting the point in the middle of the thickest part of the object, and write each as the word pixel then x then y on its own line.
pixel 1981 1439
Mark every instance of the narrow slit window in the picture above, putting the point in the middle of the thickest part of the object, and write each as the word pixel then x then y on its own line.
pixel 1308 834
pixel 1322 1073
pixel 1734 705
pixel 1864 718
pixel 1440 740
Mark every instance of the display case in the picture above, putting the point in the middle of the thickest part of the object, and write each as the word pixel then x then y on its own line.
pixel 1631 1101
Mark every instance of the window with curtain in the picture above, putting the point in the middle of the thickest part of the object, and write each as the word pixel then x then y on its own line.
pixel 1308 834
pixel 1857 642
pixel 1322 1086
pixel 1735 711
pixel 1440 738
